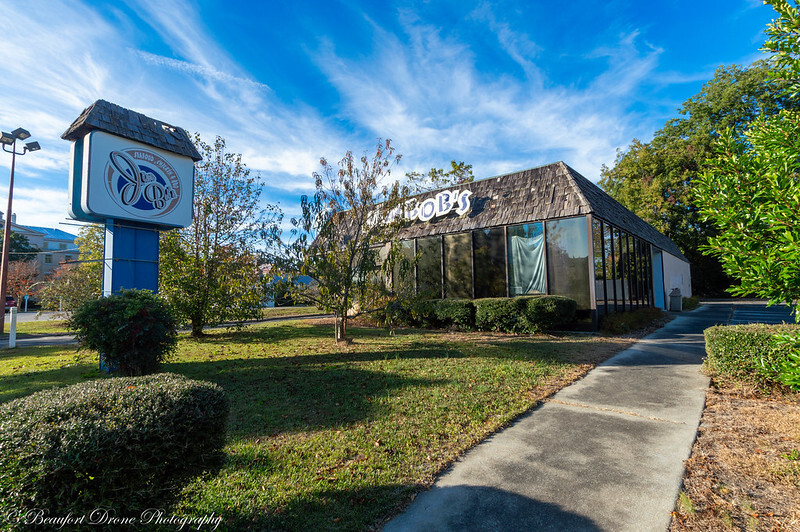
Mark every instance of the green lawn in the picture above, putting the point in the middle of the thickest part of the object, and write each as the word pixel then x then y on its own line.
pixel 287 312
pixel 330 437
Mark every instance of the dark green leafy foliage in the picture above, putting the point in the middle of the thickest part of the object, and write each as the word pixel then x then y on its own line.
pixel 125 443
pixel 750 353
pixel 134 330
pixel 625 322
pixel 541 313
pixel 458 313
pixel 499 314
pixel 423 314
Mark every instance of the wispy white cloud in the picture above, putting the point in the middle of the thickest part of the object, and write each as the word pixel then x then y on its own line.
pixel 426 92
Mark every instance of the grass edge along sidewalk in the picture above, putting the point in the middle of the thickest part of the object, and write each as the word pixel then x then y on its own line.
pixel 325 437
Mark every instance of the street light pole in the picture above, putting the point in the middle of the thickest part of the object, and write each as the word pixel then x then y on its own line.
pixel 10 139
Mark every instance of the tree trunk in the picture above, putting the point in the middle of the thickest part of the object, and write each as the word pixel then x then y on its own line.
pixel 197 329
pixel 341 328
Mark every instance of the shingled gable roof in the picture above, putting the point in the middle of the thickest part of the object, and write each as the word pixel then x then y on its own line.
pixel 536 194
pixel 112 118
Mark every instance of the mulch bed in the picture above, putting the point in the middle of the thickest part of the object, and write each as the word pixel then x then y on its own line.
pixel 744 471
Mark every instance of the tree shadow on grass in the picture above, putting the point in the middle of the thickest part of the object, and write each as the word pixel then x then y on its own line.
pixel 269 397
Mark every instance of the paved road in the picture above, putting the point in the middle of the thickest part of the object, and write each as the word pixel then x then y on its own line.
pixel 605 453
pixel 35 316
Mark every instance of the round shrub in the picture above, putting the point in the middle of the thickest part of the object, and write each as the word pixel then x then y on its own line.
pixel 133 330
pixel 124 443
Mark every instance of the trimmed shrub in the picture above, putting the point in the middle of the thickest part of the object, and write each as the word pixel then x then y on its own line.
pixel 499 314
pixel 123 443
pixel 541 313
pixel 133 330
pixel 749 353
pixel 458 313
pixel 423 313
pixel 630 320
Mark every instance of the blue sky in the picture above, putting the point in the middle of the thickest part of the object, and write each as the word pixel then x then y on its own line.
pixel 503 86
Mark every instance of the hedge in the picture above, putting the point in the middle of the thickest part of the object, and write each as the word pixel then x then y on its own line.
pixel 499 314
pixel 542 313
pixel 748 353
pixel 458 313
pixel 123 443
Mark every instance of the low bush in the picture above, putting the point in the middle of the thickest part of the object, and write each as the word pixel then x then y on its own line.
pixel 458 313
pixel 750 353
pixel 631 320
pixel 124 443
pixel 423 313
pixel 133 330
pixel 499 314
pixel 547 312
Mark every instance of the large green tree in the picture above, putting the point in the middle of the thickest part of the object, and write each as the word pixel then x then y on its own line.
pixel 344 241
pixel 209 271
pixel 654 179
pixel 750 190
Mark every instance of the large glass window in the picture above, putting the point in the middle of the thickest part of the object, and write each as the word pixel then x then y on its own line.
pixel 458 265
pixel 490 262
pixel 429 267
pixel 403 274
pixel 526 271
pixel 568 259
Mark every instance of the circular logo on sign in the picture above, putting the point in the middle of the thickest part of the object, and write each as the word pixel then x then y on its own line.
pixel 142 182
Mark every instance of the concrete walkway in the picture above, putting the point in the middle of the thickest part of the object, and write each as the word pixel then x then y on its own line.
pixel 605 453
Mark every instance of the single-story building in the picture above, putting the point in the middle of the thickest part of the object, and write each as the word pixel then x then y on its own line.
pixel 546 230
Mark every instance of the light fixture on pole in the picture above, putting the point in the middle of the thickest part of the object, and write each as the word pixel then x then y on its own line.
pixel 10 139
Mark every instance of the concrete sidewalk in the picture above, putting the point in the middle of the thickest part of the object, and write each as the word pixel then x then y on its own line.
pixel 605 453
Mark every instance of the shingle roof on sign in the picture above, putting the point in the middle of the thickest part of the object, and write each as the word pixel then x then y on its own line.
pixel 112 118
pixel 536 194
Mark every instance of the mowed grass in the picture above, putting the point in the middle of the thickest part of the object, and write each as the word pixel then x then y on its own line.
pixel 323 436
pixel 38 327
pixel 287 312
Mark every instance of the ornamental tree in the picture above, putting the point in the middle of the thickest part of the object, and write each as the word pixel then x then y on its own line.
pixel 344 241
pixel 209 270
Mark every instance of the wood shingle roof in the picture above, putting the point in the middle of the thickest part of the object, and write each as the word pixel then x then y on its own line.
pixel 537 194
pixel 111 118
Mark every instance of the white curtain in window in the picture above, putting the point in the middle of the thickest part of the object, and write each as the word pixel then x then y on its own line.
pixel 527 272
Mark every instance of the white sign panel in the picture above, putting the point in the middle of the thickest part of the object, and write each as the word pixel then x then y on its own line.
pixel 128 180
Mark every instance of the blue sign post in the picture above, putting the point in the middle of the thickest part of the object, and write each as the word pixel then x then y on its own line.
pixel 135 175
pixel 131 257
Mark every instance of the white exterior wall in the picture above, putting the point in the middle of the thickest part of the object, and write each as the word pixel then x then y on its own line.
pixel 676 275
